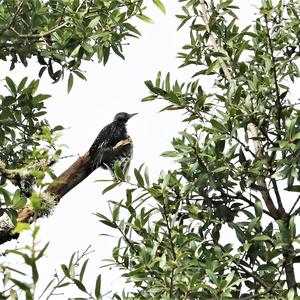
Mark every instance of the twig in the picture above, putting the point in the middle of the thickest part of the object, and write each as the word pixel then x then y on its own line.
pixel 294 205
pixel 253 275
pixel 64 277
pixel 278 197
pixel 40 35
pixel 245 146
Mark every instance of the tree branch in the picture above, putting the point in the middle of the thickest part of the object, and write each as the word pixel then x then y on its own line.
pixel 213 41
pixel 261 179
pixel 70 178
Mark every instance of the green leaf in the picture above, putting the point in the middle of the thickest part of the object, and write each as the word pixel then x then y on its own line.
pixel 146 176
pixel 70 82
pixel 292 227
pixel 159 4
pixel 106 52
pixel 41 253
pixel 65 270
pixel 110 187
pixel 225 3
pixel 35 274
pixel 94 22
pixel 79 74
pixel 212 67
pixel 79 285
pixel 115 213
pixel 296 136
pixel 167 83
pixel 62 285
pixel 261 238
pixel 118 171
pixel 293 188
pixel 83 269
pixel 170 154
pixel 21 285
pixel 98 287
pixel 220 169
pixel 146 19
pixel 88 48
pixel 258 208
pixel 19 201
pixel 139 178
pixel 35 201
pixel 117 51
pixel 11 85
pixel 131 28
pixel 22 84
pixel 217 125
pixel 20 227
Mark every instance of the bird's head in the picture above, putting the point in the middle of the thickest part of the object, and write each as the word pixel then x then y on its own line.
pixel 123 117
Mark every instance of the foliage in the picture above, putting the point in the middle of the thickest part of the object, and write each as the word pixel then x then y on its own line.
pixel 223 224
pixel 15 280
pixel 27 147
pixel 61 33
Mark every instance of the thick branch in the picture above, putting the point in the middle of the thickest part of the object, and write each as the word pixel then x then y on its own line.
pixel 70 178
pixel 261 180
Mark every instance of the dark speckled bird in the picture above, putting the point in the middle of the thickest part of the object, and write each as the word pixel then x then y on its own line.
pixel 108 137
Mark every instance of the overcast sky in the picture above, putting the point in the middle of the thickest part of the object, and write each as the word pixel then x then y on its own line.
pixel 91 105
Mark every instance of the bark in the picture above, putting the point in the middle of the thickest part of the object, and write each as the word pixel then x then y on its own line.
pixel 70 178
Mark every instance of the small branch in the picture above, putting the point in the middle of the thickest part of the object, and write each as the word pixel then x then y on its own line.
pixel 278 197
pixel 244 146
pixel 253 275
pixel 40 35
pixel 293 207
pixel 64 277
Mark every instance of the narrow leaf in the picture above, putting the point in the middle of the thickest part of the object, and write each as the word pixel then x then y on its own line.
pixel 98 287
pixel 70 82
pixel 83 269
pixel 160 6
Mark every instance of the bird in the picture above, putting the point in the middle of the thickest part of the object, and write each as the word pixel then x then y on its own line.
pixel 108 137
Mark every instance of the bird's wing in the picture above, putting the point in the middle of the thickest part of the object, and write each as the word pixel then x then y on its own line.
pixel 101 142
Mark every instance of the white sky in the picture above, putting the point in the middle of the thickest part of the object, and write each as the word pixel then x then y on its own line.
pixel 91 105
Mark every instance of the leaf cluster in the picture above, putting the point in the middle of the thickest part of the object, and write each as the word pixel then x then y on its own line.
pixel 62 33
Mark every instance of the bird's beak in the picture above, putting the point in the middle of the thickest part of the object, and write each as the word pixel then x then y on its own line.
pixel 131 115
